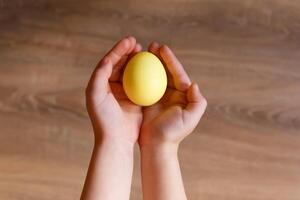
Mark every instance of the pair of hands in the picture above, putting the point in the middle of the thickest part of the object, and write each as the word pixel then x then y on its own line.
pixel 116 118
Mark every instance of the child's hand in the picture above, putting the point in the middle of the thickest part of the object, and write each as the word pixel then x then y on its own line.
pixel 113 115
pixel 178 112
pixel 118 122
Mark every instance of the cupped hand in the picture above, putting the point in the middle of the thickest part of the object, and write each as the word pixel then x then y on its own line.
pixel 113 115
pixel 180 109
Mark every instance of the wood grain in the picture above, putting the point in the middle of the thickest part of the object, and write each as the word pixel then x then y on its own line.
pixel 244 54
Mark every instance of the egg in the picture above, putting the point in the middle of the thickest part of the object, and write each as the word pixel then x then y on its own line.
pixel 144 79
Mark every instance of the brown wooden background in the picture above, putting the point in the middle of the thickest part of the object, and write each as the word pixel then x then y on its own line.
pixel 244 54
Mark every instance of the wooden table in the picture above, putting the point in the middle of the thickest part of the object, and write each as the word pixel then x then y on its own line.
pixel 244 54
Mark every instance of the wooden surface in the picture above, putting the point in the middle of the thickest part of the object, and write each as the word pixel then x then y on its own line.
pixel 244 54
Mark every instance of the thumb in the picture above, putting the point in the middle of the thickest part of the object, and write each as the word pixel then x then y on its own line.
pixel 195 107
pixel 98 84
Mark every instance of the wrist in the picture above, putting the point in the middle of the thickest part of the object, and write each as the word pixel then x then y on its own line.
pixel 115 144
pixel 160 150
pixel 118 136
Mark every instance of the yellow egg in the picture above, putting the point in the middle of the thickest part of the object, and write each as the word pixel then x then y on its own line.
pixel 144 79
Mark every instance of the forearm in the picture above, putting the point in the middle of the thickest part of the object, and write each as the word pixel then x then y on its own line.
pixel 161 176
pixel 110 169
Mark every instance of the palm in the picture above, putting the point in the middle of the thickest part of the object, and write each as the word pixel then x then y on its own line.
pixel 165 116
pixel 123 110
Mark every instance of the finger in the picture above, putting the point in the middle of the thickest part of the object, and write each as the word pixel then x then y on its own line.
pixel 132 42
pixel 180 77
pixel 120 53
pixel 122 48
pixel 118 91
pixel 154 48
pixel 195 107
pixel 120 66
pixel 117 69
pixel 98 85
pixel 138 48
